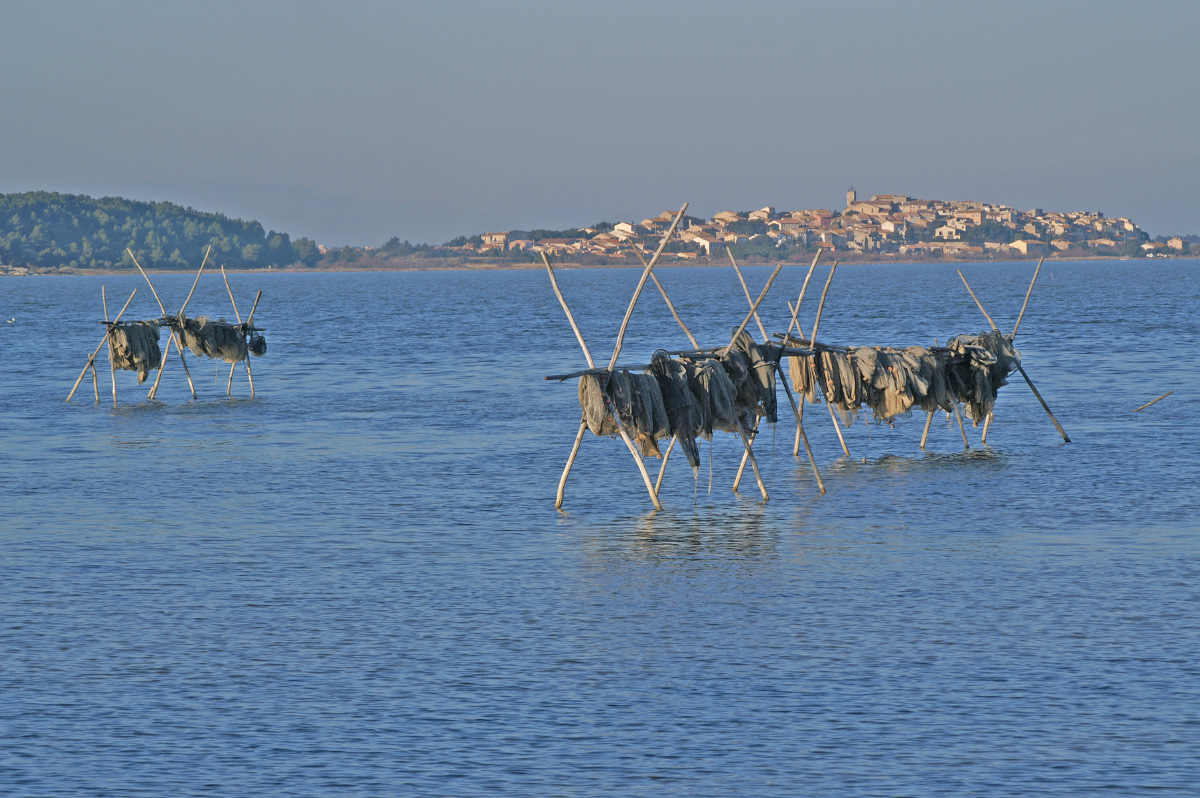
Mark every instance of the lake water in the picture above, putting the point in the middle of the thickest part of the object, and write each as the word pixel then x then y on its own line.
pixel 356 583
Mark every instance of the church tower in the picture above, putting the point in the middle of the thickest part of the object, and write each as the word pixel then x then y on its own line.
pixel 851 197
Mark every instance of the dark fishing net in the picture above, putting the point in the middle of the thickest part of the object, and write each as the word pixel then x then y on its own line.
pixel 134 347
pixel 215 339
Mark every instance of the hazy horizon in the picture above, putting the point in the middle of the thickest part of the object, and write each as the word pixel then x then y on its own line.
pixel 372 120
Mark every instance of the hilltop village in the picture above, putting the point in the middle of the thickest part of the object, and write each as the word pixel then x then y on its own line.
pixel 49 233
pixel 886 224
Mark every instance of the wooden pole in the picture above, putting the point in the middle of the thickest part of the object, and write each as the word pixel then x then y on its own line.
pixel 817 323
pixel 961 428
pixel 988 421
pixel 249 322
pixel 800 412
pixel 608 404
pixel 562 482
pixel 929 420
pixel 178 344
pixel 162 364
pixel 1159 399
pixel 753 308
pixel 748 442
pixel 638 291
pixel 746 289
pixel 800 434
pixel 1042 401
pixel 663 468
pixel 197 280
pixel 670 305
pixel 925 432
pixel 95 384
pixel 1021 315
pixel 795 322
pixel 112 368
pixel 1020 368
pixel 977 302
pixel 91 361
pixel 570 318
pixel 232 301
pixel 737 480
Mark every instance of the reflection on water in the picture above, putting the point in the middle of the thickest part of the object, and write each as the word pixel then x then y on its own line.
pixel 356 583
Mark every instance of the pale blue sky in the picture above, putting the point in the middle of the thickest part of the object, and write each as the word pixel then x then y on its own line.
pixel 350 122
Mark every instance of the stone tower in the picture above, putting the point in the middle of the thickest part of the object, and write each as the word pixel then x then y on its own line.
pixel 851 197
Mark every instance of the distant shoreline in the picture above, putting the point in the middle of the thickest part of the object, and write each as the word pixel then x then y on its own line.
pixel 855 260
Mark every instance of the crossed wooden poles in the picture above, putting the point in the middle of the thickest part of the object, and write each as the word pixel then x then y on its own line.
pixel 987 422
pixel 91 362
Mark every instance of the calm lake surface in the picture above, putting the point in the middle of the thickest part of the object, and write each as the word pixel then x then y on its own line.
pixel 356 583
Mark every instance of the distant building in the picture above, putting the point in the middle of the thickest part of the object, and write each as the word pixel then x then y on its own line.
pixel 498 240
pixel 1029 247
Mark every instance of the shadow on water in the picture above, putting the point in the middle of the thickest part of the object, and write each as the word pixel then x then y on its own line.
pixel 744 529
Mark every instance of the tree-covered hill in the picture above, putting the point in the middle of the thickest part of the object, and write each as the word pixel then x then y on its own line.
pixel 45 230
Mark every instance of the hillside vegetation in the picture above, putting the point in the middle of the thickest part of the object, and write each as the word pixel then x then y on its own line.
pixel 70 232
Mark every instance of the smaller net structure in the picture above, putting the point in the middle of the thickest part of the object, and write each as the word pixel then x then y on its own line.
pixel 218 339
pixel 133 346
pixel 890 382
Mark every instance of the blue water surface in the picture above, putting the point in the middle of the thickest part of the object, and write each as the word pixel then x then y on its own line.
pixel 356 583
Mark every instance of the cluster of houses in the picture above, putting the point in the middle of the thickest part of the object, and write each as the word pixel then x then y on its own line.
pixel 886 223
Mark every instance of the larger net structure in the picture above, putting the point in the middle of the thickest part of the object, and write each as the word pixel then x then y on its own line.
pixel 685 396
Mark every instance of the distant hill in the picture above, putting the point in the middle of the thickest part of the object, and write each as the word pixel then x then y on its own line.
pixel 45 230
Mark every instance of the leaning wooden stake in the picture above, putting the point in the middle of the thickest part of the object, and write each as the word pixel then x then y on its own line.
pixel 1159 399
pixel 753 309
pixel 91 362
pixel 162 363
pixel 746 289
pixel 795 322
pixel 95 384
pixel 817 323
pixel 562 301
pixel 638 291
pixel 562 482
pixel 112 368
pixel 615 415
pixel 925 432
pixel 670 306
pixel 232 366
pixel 1017 363
pixel 800 434
pixel 663 468
pixel 961 428
pixel 1024 304
pixel 988 421
pixel 178 344
pixel 249 322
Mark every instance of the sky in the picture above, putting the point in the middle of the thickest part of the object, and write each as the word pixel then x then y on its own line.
pixel 352 122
